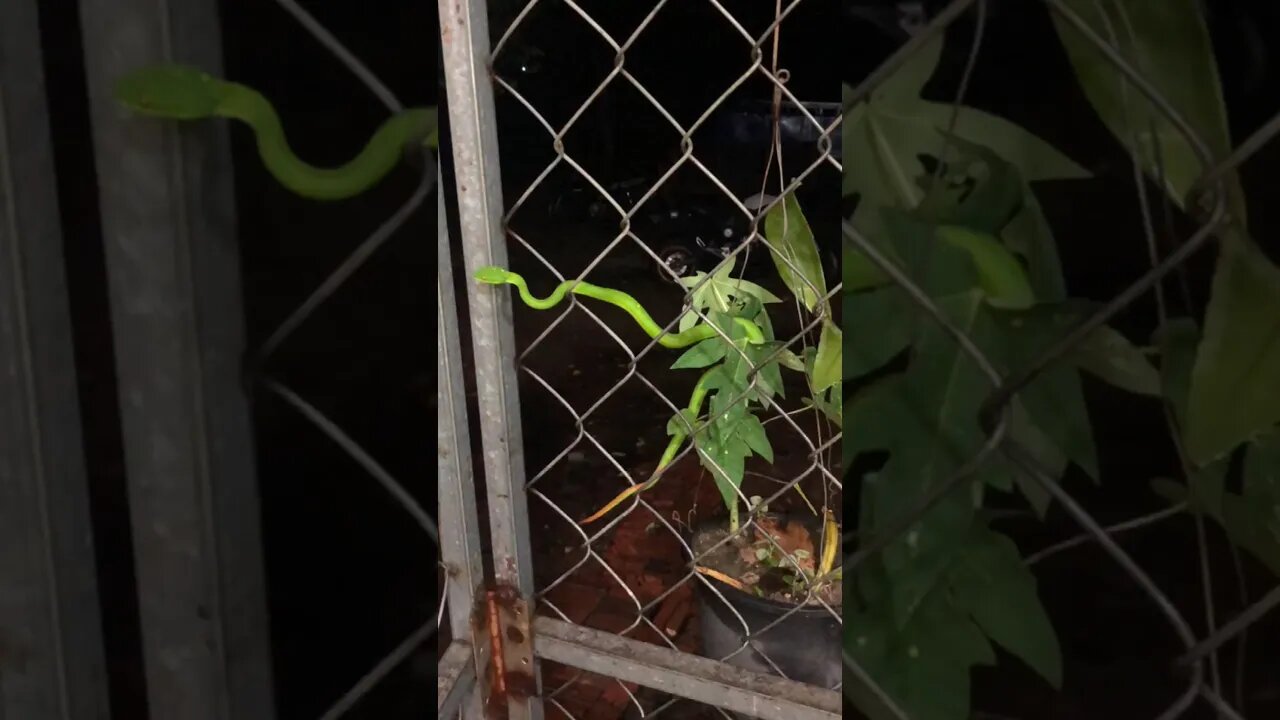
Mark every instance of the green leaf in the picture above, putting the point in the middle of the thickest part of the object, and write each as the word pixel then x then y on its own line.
pixel 1254 527
pixel 927 420
pixel 978 190
pixel 832 403
pixel 682 422
pixel 994 585
pixel 881 328
pixel 1043 449
pixel 889 132
pixel 726 458
pixel 1262 469
pixel 1177 341
pixel 753 434
pixel 791 244
pixel 924 666
pixel 1001 277
pixel 1034 158
pixel 791 361
pixel 1235 384
pixel 1054 400
pixel 1168 44
pixel 918 562
pixel 704 354
pixel 1028 234
pixel 1110 356
pixel 828 365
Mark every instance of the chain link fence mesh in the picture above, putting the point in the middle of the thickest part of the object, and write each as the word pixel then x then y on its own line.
pixel 330 291
pixel 606 576
pixel 635 572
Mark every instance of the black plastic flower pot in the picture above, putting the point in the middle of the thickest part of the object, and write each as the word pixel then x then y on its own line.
pixel 805 646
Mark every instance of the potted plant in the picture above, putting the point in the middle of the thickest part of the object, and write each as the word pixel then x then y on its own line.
pixel 777 574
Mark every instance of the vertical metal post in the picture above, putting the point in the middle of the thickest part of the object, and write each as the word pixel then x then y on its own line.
pixel 474 140
pixel 464 38
pixel 51 654
pixel 173 271
pixel 459 524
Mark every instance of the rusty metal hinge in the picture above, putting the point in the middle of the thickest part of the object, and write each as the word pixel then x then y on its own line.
pixel 503 620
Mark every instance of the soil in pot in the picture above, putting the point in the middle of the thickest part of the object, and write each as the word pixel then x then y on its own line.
pixel 764 587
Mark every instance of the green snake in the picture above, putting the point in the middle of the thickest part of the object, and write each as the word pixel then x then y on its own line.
pixel 696 334
pixel 754 335
pixel 678 436
pixel 178 92
pixel 1000 276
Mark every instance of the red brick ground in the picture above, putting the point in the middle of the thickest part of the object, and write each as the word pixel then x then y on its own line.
pixel 650 560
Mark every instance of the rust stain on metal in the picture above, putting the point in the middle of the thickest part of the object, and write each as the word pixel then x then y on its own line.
pixel 502 615
pixel 495 642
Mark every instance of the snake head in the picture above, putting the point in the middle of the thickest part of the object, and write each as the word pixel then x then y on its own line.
pixel 492 275
pixel 171 91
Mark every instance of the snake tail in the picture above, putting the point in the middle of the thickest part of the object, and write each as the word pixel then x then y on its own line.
pixel 677 439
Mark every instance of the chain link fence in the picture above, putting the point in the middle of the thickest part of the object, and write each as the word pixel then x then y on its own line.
pixel 329 291
pixel 597 394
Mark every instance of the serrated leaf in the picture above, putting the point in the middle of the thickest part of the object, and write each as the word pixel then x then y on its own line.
pixel 1235 384
pixel 994 585
pixel 704 354
pixel 795 253
pixel 828 366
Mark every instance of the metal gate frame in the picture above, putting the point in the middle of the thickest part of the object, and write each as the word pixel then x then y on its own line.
pixel 464 37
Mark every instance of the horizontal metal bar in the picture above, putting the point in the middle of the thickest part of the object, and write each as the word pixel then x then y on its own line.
pixel 697 678
pixel 455 679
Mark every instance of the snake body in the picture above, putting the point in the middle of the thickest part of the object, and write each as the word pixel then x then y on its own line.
pixel 617 298
pixel 178 92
